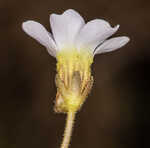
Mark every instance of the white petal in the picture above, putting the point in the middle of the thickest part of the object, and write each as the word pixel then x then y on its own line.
pixel 65 27
pixel 112 44
pixel 94 33
pixel 38 32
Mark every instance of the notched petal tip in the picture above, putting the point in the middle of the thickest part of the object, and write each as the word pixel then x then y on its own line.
pixel 114 29
pixel 117 27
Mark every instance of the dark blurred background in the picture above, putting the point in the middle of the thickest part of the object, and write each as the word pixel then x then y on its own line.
pixel 117 112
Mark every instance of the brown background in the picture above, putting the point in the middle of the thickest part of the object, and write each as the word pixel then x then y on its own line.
pixel 117 112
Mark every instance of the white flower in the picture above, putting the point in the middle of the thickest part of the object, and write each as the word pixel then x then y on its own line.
pixel 69 31
pixel 74 45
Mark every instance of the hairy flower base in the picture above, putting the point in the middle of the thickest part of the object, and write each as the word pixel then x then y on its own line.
pixel 73 79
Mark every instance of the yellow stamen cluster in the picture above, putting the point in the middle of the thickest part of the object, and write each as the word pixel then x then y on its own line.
pixel 73 79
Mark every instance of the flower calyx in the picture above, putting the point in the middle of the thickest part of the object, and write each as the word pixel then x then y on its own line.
pixel 73 81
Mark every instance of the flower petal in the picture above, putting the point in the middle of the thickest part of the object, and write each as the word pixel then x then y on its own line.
pixel 94 33
pixel 112 44
pixel 39 33
pixel 65 27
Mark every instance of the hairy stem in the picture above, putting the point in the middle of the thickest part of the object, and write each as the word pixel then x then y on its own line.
pixel 68 129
